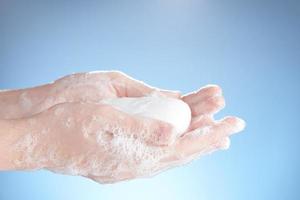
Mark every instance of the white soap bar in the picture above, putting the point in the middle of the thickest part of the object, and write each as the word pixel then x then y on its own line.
pixel 171 110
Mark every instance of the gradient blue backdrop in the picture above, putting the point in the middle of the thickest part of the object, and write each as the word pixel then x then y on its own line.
pixel 250 48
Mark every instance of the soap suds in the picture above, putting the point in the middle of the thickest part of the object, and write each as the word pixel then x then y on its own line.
pixel 68 122
pixel 119 153
pixel 25 101
pixel 26 145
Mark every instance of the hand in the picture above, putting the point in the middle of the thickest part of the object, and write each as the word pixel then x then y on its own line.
pixel 92 140
pixel 97 150
pixel 81 87
pixel 108 146
pixel 94 86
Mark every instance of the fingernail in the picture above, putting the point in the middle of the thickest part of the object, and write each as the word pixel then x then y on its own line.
pixel 240 125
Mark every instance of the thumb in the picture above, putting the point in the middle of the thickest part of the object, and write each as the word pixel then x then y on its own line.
pixel 127 86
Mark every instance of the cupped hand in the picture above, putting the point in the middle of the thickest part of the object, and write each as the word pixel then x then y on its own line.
pixel 92 140
pixel 90 87
pixel 94 86
pixel 107 145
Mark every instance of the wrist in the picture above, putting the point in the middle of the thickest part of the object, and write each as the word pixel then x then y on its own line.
pixel 25 102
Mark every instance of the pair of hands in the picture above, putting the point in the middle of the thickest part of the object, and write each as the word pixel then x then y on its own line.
pixel 70 133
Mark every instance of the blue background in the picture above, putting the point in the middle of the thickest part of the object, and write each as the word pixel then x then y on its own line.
pixel 250 48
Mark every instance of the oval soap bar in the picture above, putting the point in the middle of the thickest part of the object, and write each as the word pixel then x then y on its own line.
pixel 171 110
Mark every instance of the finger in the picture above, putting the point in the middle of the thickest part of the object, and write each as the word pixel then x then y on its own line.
pixel 230 125
pixel 203 93
pixel 127 86
pixel 205 140
pixel 200 121
pixel 208 106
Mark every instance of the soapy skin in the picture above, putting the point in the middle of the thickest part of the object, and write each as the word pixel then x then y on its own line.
pixel 64 127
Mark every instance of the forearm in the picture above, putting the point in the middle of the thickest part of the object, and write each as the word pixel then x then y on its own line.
pixel 24 102
pixel 10 132
pixel 21 144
